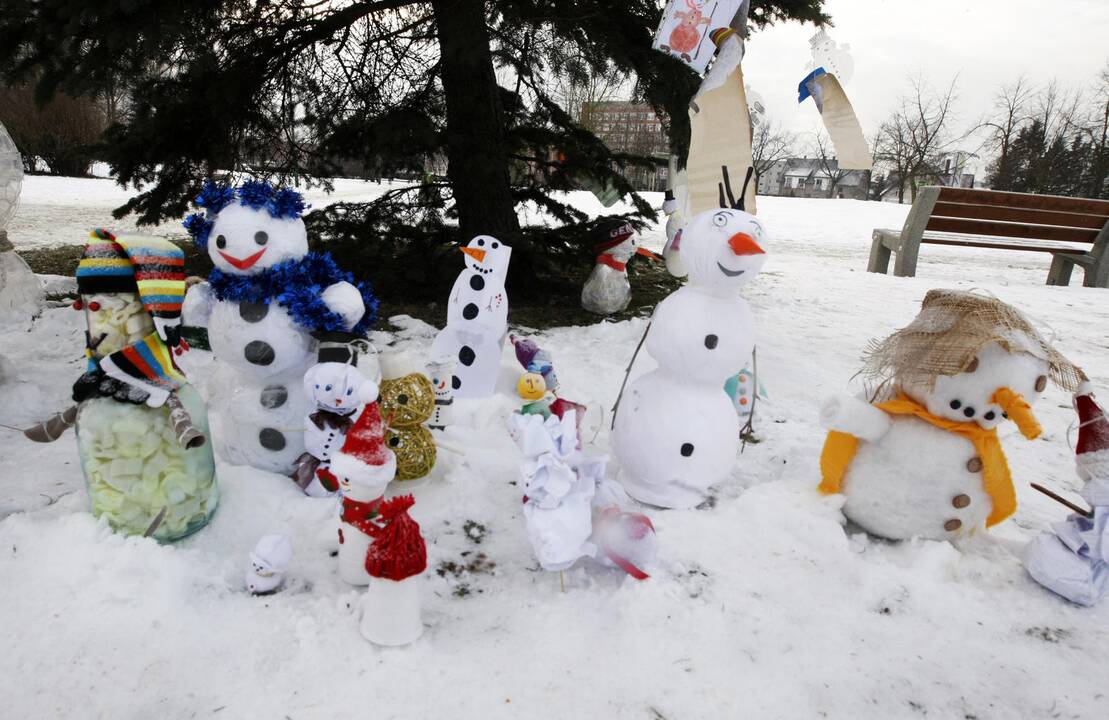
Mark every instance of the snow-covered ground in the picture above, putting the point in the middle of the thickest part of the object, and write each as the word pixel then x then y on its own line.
pixel 761 606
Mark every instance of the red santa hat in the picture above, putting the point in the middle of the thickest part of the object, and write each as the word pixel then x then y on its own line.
pixel 1091 454
pixel 364 456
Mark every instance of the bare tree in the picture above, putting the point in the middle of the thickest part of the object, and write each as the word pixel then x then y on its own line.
pixel 821 149
pixel 770 143
pixel 62 133
pixel 1010 113
pixel 910 141
pixel 1092 125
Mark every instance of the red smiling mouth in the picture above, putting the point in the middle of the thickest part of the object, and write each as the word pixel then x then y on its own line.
pixel 245 262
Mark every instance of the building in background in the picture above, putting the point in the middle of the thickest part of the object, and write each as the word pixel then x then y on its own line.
pixel 808 178
pixel 631 128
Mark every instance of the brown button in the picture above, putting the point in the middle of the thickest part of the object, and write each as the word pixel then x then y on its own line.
pixel 972 366
pixel 952 525
pixel 960 501
pixel 974 464
pixel 1041 383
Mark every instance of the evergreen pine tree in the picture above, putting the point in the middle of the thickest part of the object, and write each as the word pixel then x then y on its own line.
pixel 299 89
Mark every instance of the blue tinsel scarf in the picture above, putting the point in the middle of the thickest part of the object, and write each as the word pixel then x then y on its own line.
pixel 296 285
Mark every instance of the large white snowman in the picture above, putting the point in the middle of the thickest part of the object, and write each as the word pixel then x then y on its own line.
pixel 926 461
pixel 260 305
pixel 477 318
pixel 676 432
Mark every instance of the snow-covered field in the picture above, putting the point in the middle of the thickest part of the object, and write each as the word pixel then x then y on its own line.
pixel 761 606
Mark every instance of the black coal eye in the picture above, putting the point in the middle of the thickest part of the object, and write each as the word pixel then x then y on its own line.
pixel 495 245
pixel 990 415
pixel 687 449
pixel 221 242
pixel 261 237
pixel 394 441
pixel 402 399
pixel 955 404
pixel 480 242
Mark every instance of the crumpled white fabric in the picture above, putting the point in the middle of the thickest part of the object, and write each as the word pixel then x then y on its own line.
pixel 1074 560
pixel 571 509
pixel 558 505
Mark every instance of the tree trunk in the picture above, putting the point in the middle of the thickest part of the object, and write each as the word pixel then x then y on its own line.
pixel 477 162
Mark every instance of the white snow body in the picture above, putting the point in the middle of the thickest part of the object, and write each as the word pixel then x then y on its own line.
pixel 477 318
pixel 674 439
pixel 263 352
pixel 364 485
pixel 391 611
pixel 906 473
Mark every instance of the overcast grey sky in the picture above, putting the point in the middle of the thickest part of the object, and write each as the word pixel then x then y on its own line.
pixel 986 42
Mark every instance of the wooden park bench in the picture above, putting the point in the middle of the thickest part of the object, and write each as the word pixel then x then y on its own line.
pixel 1003 221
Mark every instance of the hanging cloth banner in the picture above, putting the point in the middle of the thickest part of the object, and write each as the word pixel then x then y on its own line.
pixel 720 130
pixel 839 118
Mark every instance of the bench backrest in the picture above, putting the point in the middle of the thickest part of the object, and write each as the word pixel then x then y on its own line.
pixel 1015 215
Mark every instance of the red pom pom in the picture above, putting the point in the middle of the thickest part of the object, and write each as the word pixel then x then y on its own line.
pixel 78 305
pixel 398 550
pixel 94 306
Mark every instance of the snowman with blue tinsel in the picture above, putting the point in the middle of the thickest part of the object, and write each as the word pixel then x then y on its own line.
pixel 264 301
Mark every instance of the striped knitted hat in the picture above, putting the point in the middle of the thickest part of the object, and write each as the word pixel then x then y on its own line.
pixel 720 34
pixel 105 267
pixel 153 267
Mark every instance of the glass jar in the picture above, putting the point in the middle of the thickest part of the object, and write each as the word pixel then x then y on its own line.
pixel 135 466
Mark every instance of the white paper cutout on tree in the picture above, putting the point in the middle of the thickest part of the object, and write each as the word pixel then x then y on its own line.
pixel 477 318
pixel 676 431
pixel 831 67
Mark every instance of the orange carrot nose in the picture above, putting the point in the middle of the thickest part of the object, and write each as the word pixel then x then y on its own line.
pixel 476 254
pixel 744 244
pixel 1019 411
pixel 647 253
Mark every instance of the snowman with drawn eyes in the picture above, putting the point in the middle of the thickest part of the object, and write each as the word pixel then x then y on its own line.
pixel 477 319
pixel 676 431
pixel 261 307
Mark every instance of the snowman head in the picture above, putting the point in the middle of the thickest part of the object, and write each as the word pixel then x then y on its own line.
pixel 249 228
pixel 487 256
pixel 973 395
pixel 721 250
pixel 441 373
pixel 338 387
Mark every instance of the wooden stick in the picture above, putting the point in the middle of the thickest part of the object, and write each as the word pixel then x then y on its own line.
pixel 52 428
pixel 187 434
pixel 562 580
pixel 1063 501
pixel 627 373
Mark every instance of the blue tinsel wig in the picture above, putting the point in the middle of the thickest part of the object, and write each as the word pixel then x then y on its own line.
pixel 258 194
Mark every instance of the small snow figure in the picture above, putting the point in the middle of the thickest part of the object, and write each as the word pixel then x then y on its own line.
pixel 395 562
pixel 607 290
pixel 362 469
pixel 337 392
pixel 676 432
pixel 269 561
pixel 477 318
pixel 441 373
pixel 535 359
pixel 262 301
pixel 925 460
pixel 1073 561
